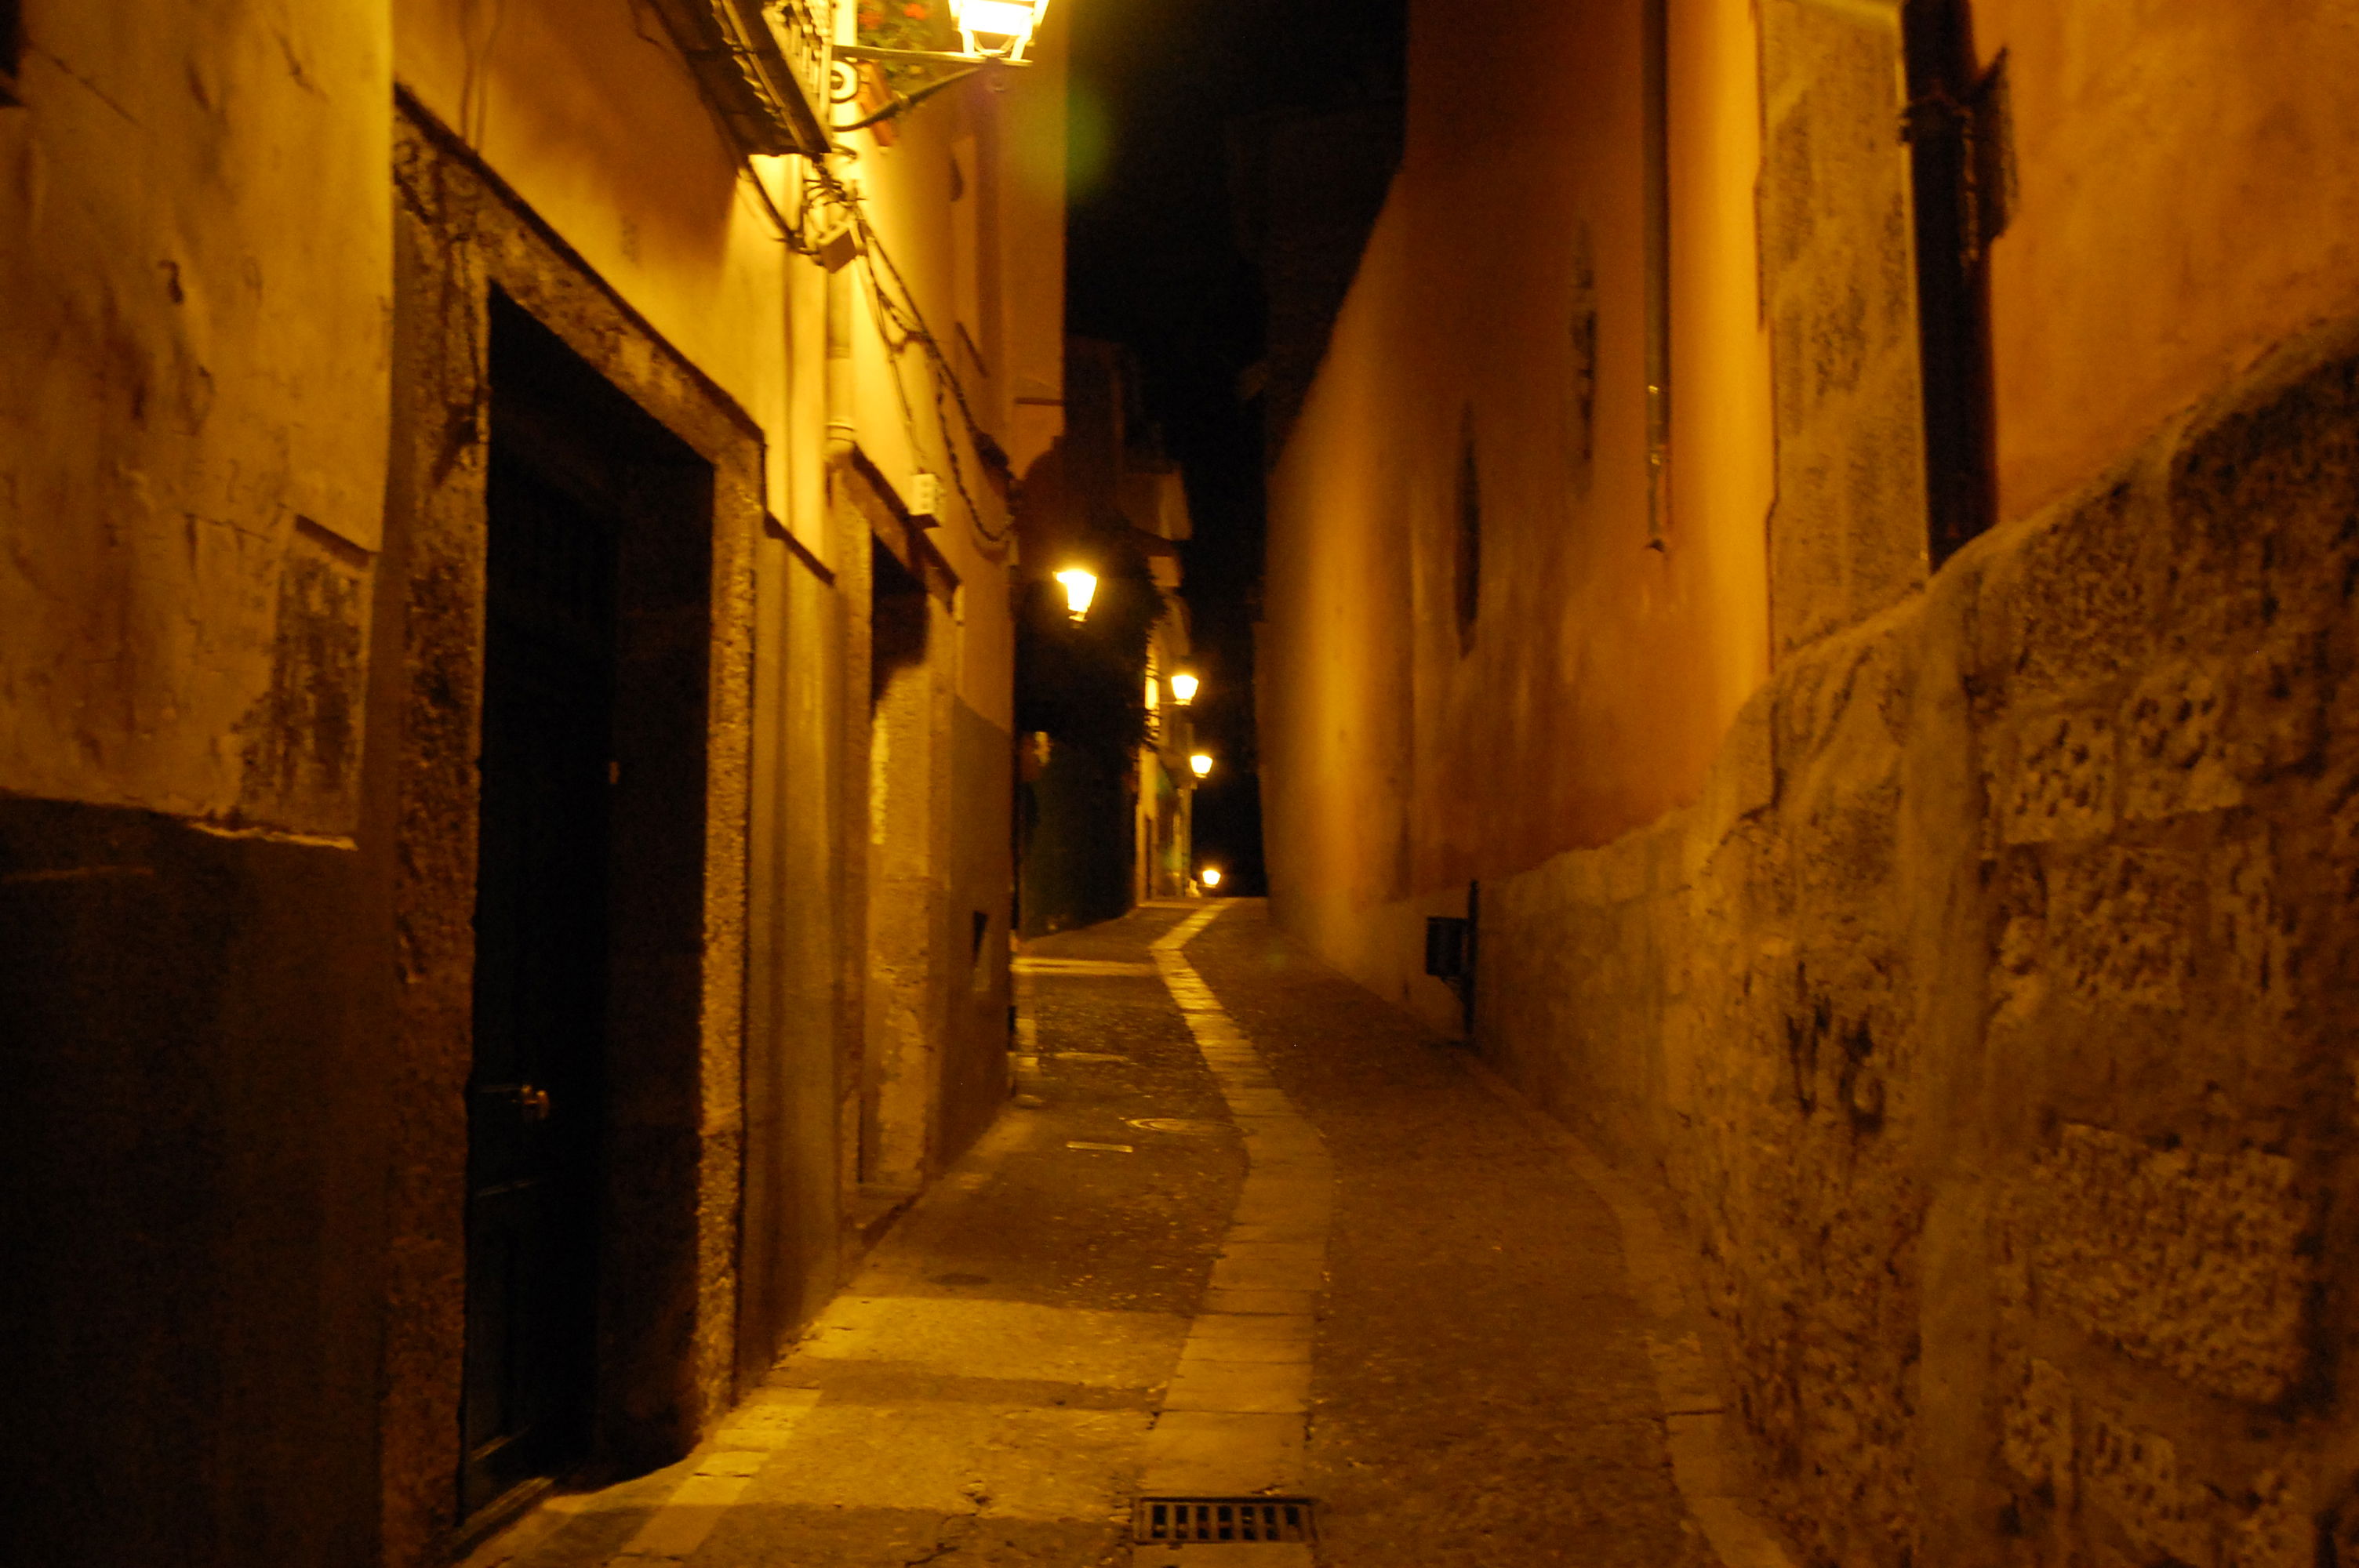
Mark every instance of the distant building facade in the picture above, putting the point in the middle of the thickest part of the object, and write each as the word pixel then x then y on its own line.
pixel 506 733
pixel 1824 526
pixel 1104 811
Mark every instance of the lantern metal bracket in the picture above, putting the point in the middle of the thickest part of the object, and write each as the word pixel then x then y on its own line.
pixel 923 57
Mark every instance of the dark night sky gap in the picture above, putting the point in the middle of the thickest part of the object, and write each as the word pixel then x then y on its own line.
pixel 1155 262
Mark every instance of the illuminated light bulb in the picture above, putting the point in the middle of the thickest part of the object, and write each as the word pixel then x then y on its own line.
pixel 1183 689
pixel 1000 27
pixel 1081 587
pixel 1201 765
pixel 1210 876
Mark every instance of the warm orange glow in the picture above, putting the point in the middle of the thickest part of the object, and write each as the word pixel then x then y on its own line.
pixel 1210 876
pixel 1081 587
pixel 1183 688
pixel 1001 27
pixel 1201 765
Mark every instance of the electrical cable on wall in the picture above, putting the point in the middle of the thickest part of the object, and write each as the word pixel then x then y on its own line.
pixel 902 316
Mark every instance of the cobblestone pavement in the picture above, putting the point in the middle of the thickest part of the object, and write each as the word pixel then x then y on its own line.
pixel 1481 1393
pixel 988 1390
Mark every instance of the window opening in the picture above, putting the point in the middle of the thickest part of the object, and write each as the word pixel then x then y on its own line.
pixel 1469 534
pixel 1656 46
pixel 11 47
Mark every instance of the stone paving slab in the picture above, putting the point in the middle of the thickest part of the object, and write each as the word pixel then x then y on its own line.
pixel 1276 1554
pixel 1218 1348
pixel 1266 1387
pixel 1222 1453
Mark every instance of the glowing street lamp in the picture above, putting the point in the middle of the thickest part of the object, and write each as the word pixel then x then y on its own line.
pixel 1201 764
pixel 1183 688
pixel 1210 876
pixel 1081 587
pixel 998 30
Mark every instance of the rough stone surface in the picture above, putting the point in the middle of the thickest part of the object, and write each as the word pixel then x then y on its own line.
pixel 2191 1260
pixel 1998 1052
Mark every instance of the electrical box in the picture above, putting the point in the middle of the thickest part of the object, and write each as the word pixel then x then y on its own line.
pixel 837 246
pixel 925 497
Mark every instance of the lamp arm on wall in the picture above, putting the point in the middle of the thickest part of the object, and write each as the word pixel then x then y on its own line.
pixel 904 102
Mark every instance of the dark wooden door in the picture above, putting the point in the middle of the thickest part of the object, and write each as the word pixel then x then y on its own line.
pixel 535 1100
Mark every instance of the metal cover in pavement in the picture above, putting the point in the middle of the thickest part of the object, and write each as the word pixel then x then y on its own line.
pixel 1174 1521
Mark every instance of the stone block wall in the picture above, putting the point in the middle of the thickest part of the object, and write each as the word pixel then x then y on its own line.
pixel 1987 1018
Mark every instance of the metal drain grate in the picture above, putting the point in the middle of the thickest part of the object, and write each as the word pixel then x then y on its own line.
pixel 1173 1521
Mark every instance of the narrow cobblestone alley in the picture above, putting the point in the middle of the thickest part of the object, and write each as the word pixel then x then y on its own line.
pixel 1106 1300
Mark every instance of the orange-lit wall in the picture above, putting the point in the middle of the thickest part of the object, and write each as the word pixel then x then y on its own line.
pixel 246 255
pixel 2188 197
pixel 1984 1013
pixel 588 111
pixel 1602 672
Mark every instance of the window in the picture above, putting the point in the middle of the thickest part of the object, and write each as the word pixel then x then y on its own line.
pixel 1469 534
pixel 1581 378
pixel 11 45
pixel 1657 97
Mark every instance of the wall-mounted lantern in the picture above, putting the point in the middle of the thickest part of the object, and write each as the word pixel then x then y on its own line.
pixel 1201 764
pixel 1210 876
pixel 998 30
pixel 1183 688
pixel 1081 587
pixel 993 32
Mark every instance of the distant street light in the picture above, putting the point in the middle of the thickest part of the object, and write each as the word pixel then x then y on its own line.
pixel 1081 587
pixel 1201 764
pixel 1183 688
pixel 1210 876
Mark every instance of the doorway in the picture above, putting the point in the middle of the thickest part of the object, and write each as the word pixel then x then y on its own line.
pixel 587 898
pixel 534 1112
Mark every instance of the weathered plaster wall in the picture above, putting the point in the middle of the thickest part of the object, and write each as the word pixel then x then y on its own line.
pixel 2188 195
pixel 1504 295
pixel 189 1340
pixel 192 406
pixel 805 957
pixel 1985 1015
pixel 195 280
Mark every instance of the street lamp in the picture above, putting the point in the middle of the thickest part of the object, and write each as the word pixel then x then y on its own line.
pixel 1210 876
pixel 995 32
pixel 998 30
pixel 1081 587
pixel 1201 764
pixel 1183 688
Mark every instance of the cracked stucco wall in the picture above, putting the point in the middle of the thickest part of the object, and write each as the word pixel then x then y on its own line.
pixel 196 251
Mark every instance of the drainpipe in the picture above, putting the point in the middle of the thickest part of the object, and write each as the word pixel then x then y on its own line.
pixel 839 429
